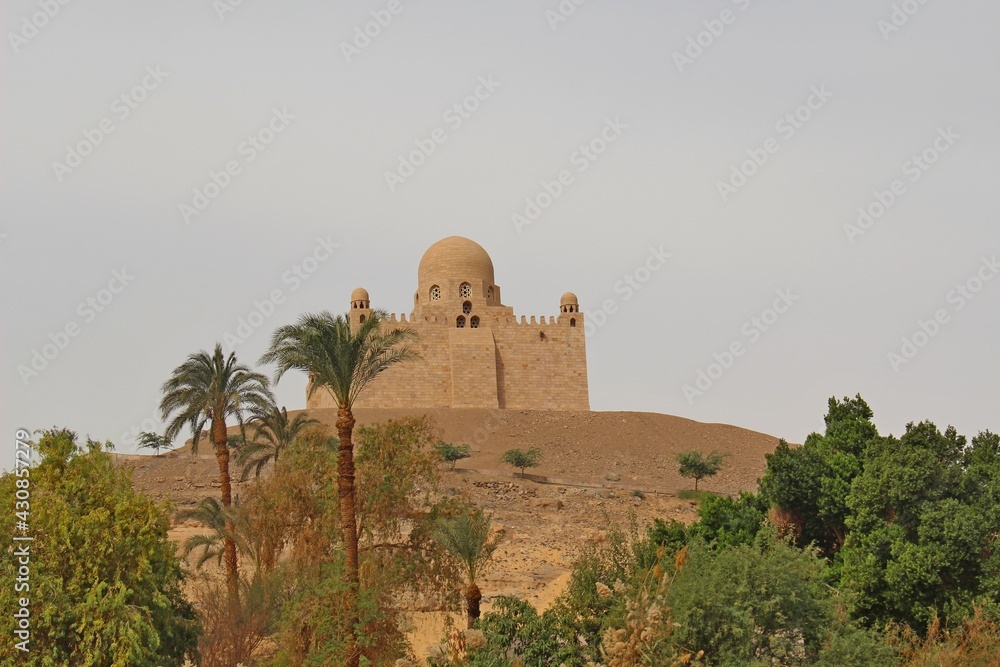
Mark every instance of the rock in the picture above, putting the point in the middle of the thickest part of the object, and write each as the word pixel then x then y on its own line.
pixel 612 477
pixel 403 662
pixel 178 479
pixel 547 503
pixel 161 480
pixel 435 651
pixel 474 639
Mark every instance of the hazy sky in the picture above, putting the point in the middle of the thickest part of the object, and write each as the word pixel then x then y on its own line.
pixel 170 167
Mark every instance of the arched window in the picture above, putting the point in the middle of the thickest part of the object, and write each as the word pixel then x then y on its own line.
pixel 460 322
pixel 362 319
pixel 435 293
pixel 467 307
pixel 474 323
pixel 572 322
pixel 465 291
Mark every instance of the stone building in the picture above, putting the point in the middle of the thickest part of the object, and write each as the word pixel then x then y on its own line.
pixel 473 351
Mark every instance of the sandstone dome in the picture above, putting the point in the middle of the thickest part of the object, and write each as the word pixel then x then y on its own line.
pixel 360 294
pixel 569 299
pixel 455 260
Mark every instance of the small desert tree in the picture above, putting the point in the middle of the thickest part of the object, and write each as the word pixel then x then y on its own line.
pixel 697 466
pixel 451 453
pixel 154 441
pixel 521 459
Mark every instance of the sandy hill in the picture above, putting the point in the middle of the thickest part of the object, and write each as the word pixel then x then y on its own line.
pixel 577 446
pixel 593 461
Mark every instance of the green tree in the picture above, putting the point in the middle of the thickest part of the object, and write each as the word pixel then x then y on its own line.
pixel 343 360
pixel 450 453
pixel 398 509
pixel 468 538
pixel 726 521
pixel 270 432
pixel 105 586
pixel 147 440
pixel 214 388
pixel 698 466
pixel 765 603
pixel 521 459
pixel 810 484
pixel 920 533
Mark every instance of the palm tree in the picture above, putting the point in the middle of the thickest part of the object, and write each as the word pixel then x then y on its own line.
pixel 344 362
pixel 224 524
pixel 213 388
pixel 147 440
pixel 466 537
pixel 271 432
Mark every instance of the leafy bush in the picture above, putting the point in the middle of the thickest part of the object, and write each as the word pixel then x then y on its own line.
pixel 450 453
pixel 521 459
pixel 727 522
pixel 697 466
pixel 105 586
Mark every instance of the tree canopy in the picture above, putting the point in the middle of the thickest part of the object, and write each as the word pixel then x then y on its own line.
pixel 105 583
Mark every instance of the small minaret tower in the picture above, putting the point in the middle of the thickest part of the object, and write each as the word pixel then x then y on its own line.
pixel 569 310
pixel 360 307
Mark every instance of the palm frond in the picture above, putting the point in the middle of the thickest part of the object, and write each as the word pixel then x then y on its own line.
pixel 467 536
pixel 336 358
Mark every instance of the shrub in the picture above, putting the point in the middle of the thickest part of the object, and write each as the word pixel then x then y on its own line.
pixel 698 466
pixel 522 460
pixel 450 453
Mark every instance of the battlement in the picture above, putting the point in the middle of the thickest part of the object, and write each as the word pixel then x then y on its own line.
pixel 496 320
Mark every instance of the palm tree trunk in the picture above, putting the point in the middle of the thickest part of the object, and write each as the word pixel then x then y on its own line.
pixel 349 524
pixel 472 598
pixel 220 440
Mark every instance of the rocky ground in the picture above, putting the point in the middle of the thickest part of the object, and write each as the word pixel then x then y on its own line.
pixel 594 463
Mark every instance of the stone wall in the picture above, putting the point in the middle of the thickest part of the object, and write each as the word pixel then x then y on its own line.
pixel 506 363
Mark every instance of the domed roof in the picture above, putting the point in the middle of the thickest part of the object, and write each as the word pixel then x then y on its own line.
pixel 569 299
pixel 360 294
pixel 455 259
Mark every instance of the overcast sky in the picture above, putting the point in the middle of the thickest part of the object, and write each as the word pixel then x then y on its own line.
pixel 169 168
